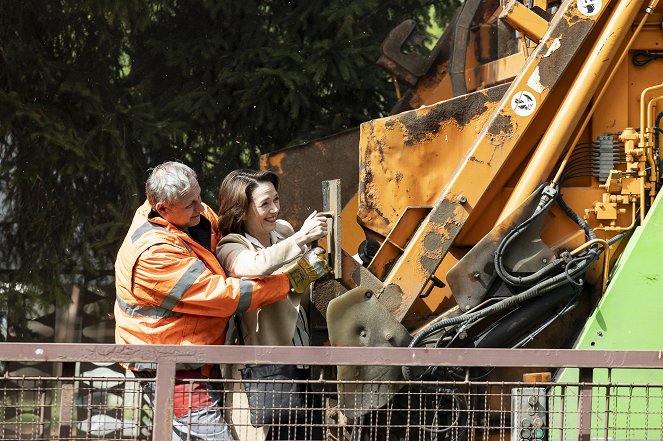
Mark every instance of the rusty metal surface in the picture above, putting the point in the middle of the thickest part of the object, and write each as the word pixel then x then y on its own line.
pixel 503 138
pixel 407 158
pixel 331 203
pixel 471 277
pixel 164 401
pixel 593 72
pixel 483 50
pixel 61 352
pixel 302 170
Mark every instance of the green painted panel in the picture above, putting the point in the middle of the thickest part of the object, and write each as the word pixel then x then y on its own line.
pixel 628 317
pixel 630 314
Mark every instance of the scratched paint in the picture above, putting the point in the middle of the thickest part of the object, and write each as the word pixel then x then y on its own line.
pixel 566 39
pixel 422 124
pixel 443 225
pixel 534 81
pixel 407 158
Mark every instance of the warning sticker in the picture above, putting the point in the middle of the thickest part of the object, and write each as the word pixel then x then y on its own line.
pixel 589 7
pixel 523 103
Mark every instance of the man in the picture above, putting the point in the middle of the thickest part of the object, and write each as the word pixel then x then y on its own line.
pixel 172 290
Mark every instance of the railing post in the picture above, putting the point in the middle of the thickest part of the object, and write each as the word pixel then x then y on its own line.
pixel 66 417
pixel 163 402
pixel 585 376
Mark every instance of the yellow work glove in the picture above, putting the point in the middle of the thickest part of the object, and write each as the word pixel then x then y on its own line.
pixel 309 268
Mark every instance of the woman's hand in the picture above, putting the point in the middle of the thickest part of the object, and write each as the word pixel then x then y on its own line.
pixel 315 227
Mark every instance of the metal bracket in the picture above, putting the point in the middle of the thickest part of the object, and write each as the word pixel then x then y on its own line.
pixel 407 67
pixel 331 203
pixel 525 20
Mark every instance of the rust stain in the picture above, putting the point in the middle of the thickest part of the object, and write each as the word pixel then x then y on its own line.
pixel 429 264
pixel 501 125
pixel 570 35
pixel 495 94
pixel 443 212
pixel 380 149
pixel 432 241
pixel 436 243
pixel 368 193
pixel 272 162
pixel 421 124
pixel 391 297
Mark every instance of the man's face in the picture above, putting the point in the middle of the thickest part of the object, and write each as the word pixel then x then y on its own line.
pixel 184 212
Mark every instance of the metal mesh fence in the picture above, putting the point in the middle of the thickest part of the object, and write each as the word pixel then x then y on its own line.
pixel 120 408
pixel 45 408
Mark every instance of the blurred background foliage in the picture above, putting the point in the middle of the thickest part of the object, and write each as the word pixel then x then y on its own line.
pixel 93 94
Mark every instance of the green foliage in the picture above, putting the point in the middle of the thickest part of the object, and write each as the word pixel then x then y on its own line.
pixel 92 94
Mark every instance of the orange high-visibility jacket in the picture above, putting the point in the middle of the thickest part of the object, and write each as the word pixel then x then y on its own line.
pixel 172 290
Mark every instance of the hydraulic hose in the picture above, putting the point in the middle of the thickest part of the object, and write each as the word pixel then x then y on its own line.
pixel 573 268
pixel 531 279
pixel 577 219
pixel 512 325
pixel 530 293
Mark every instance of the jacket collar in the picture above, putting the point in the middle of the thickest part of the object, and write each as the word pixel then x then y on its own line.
pixel 201 233
pixel 274 237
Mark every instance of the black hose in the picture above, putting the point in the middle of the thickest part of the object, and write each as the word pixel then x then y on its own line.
pixel 577 219
pixel 530 293
pixel 509 327
pixel 619 236
pixel 510 237
pixel 575 267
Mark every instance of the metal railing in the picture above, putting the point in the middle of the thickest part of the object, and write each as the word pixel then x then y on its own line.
pixel 594 394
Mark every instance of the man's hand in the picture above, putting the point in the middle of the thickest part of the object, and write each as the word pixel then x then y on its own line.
pixel 309 268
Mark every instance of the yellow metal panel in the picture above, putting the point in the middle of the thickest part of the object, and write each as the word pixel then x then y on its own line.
pixel 525 20
pixel 407 158
pixel 500 137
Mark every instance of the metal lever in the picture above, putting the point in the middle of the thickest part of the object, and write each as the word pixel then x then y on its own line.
pixel 331 205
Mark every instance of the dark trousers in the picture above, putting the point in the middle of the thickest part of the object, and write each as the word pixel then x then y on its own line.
pixel 307 427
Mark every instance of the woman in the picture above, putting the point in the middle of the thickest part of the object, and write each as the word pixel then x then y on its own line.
pixel 256 242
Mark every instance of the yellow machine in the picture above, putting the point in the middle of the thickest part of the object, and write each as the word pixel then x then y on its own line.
pixel 490 207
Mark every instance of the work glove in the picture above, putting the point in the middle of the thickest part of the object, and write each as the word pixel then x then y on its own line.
pixel 309 268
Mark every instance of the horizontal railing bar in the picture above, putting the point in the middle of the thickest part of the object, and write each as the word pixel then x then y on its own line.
pixel 326 382
pixel 325 355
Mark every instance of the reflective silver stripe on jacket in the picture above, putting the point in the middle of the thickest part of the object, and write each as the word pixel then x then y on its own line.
pixel 182 286
pixel 146 227
pixel 153 312
pixel 142 366
pixel 245 295
pixel 145 366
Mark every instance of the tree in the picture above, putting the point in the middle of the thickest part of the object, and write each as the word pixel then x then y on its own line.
pixel 92 94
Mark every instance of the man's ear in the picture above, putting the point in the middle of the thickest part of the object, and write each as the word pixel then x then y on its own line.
pixel 161 208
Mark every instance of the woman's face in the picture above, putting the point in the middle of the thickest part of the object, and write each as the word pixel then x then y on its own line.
pixel 263 210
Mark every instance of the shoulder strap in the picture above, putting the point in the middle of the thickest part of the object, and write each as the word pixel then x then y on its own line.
pixel 238 325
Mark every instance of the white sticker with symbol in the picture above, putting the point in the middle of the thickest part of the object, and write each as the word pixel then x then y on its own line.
pixel 589 7
pixel 523 103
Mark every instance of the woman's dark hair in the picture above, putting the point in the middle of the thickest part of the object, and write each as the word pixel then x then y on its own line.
pixel 235 197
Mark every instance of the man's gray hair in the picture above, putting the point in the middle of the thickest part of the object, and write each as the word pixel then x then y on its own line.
pixel 168 182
